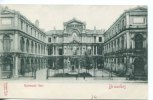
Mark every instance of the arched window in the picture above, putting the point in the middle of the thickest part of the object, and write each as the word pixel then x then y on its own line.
pixel 74 36
pixel 38 48
pixel 6 43
pixel 31 46
pixel 138 41
pixel 35 47
pixel 22 43
pixel 122 42
pixel 27 45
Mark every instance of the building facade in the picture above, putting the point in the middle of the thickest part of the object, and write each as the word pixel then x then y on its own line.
pixel 68 48
pixel 125 43
pixel 23 47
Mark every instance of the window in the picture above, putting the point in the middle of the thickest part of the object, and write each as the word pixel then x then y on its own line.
pixel 94 39
pixel 22 43
pixel 49 50
pixel 138 20
pixel 138 41
pixel 27 45
pixel 6 21
pixel 49 39
pixel 6 43
pixel 60 51
pixel 32 47
pixel 74 36
pixel 26 28
pixel 38 48
pixel 54 38
pixel 35 33
pixel 31 30
pixel 35 47
pixel 6 64
pixel 100 39
pixel 21 25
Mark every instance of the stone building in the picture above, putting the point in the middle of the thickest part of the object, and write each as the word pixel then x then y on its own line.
pixel 68 47
pixel 23 47
pixel 125 43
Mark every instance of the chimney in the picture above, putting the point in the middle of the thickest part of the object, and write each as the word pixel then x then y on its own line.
pixel 37 23
pixel 94 29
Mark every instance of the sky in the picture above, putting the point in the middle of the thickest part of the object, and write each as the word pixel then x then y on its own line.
pixel 50 16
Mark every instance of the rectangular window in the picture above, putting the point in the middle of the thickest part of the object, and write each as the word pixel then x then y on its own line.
pixel 100 39
pixel 49 39
pixel 31 31
pixel 26 28
pixel 6 21
pixel 138 20
pixel 21 25
pixel 60 51
pixel 35 33
pixel 94 39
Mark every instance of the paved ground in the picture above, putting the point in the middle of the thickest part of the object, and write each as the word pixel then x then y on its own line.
pixel 41 75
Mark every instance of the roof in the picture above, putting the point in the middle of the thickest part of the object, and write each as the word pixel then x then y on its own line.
pixel 139 8
pixel 88 31
pixel 59 32
pixel 74 20
pixel 6 10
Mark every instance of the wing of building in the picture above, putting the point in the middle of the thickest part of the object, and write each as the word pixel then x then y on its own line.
pixel 125 43
pixel 23 45
pixel 68 46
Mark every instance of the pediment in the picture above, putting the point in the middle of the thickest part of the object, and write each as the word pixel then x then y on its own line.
pixel 6 11
pixel 139 9
pixel 74 22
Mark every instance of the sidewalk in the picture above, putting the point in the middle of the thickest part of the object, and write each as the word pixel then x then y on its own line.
pixel 41 74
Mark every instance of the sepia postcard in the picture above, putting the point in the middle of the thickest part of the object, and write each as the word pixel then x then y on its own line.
pixel 73 51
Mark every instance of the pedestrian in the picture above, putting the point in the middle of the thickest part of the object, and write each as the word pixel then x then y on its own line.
pixel 76 76
pixel 84 76
pixel 35 70
pixel 128 73
pixel 47 73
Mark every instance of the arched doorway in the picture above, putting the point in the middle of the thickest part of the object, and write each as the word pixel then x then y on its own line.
pixel 22 70
pixel 138 42
pixel 139 66
pixel 7 67
pixel 22 43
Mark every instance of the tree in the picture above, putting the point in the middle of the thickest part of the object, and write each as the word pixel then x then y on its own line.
pixel 88 60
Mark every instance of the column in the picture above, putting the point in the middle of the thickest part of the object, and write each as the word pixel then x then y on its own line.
pixel 127 20
pixel 96 50
pixel 40 49
pixel 45 50
pixel 16 42
pixel 132 44
pixel 93 49
pixel 30 46
pixel 0 66
pixel 53 64
pixel 53 50
pixel 34 47
pixel 25 48
pixel 128 40
pixel 15 61
pixel 30 65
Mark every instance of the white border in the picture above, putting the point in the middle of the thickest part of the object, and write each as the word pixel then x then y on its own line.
pixel 106 2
